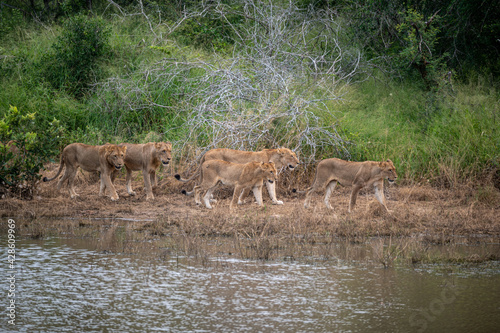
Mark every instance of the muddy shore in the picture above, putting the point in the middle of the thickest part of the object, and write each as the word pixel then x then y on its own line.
pixel 416 209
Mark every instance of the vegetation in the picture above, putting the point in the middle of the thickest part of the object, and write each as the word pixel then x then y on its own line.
pixel 28 145
pixel 414 81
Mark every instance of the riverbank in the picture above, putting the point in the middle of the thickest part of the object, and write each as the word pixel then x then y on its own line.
pixel 421 216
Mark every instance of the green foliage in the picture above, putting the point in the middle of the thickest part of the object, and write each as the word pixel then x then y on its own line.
pixel 26 146
pixel 206 33
pixel 71 7
pixel 10 18
pixel 462 34
pixel 73 62
pixel 419 47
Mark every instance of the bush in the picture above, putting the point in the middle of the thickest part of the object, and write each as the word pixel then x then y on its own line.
pixel 72 64
pixel 27 146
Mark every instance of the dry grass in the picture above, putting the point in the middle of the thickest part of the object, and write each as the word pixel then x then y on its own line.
pixel 422 217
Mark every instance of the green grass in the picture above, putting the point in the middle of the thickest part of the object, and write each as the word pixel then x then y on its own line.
pixel 443 137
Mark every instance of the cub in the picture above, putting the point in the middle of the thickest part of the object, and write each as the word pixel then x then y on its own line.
pixel 244 177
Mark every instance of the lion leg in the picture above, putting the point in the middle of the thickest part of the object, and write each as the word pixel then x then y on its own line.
pixel 63 179
pixel 257 192
pixel 307 200
pixel 309 192
pixel 71 182
pixel 154 180
pixel 354 195
pixel 329 189
pixel 271 189
pixel 147 185
pixel 102 187
pixel 197 191
pixel 243 195
pixel 207 196
pixel 238 192
pixel 129 182
pixel 106 183
pixel 379 194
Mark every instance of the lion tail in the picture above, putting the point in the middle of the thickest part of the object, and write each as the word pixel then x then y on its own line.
pixel 194 175
pixel 298 192
pixel 61 165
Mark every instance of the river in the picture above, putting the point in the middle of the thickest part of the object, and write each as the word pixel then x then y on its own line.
pixel 67 285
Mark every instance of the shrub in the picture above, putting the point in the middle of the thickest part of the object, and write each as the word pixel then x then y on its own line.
pixel 72 64
pixel 26 147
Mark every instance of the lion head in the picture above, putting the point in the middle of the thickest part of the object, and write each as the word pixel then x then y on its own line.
pixel 388 171
pixel 270 172
pixel 288 158
pixel 115 155
pixel 164 152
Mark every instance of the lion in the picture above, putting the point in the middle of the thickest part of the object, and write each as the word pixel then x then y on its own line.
pixel 244 177
pixel 146 157
pixel 104 159
pixel 355 174
pixel 281 157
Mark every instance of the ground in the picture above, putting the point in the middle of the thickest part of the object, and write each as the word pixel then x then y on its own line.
pixel 416 209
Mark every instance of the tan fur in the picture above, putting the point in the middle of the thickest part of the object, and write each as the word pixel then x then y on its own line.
pixel 104 159
pixel 147 158
pixel 281 157
pixel 355 174
pixel 244 177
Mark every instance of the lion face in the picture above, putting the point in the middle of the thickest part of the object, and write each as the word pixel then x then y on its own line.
pixel 270 172
pixel 164 152
pixel 388 171
pixel 288 158
pixel 116 156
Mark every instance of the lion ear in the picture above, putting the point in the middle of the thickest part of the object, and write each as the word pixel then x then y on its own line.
pixel 388 160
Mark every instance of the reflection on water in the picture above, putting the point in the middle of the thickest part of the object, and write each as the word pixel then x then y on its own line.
pixel 63 285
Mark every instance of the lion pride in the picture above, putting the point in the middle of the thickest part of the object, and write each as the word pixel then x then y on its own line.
pixel 244 177
pixel 104 159
pixel 281 157
pixel 355 174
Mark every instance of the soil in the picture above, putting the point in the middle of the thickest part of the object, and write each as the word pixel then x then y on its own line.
pixel 416 209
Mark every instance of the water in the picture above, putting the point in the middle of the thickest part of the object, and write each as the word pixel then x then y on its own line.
pixel 63 285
